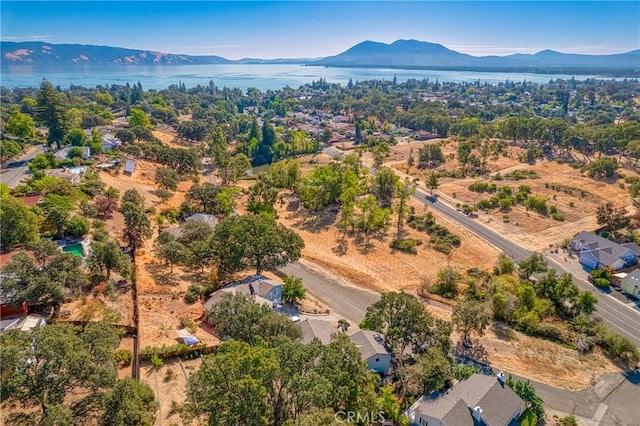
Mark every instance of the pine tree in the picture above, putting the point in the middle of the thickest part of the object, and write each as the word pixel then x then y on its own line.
pixel 50 111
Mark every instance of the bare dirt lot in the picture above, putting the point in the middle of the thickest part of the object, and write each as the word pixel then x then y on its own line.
pixel 575 195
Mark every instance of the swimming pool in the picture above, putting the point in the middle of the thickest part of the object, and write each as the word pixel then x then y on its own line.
pixel 74 249
pixel 77 170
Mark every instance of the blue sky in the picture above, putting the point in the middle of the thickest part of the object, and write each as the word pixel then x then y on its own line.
pixel 269 29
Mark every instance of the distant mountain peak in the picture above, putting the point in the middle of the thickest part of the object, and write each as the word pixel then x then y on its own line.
pixel 422 54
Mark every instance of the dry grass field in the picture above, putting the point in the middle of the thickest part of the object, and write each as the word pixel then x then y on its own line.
pixel 169 385
pixel 374 264
pixel 536 359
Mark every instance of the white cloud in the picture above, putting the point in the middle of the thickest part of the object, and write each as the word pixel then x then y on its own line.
pixel 28 38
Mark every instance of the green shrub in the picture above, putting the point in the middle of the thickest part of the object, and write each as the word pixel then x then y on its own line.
pixel 520 174
pixel 619 347
pixel 568 421
pixel 557 216
pixel 549 331
pixel 407 245
pixel 193 294
pixel 123 357
pixel 601 282
pixel 483 187
pixel 156 361
pixel 464 371
pixel 528 418
pixel 188 323
pixel 190 298
pixel 78 226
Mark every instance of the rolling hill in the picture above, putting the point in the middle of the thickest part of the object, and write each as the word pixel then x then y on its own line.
pixel 420 54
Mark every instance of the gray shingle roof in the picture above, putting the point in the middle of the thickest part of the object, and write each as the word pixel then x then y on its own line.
pixel 369 343
pixel 261 285
pixel 459 415
pixel 498 402
pixel 209 219
pixel 606 251
pixel 316 329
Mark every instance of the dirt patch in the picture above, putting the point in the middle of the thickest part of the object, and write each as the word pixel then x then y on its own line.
pixel 169 385
pixel 544 361
pixel 160 319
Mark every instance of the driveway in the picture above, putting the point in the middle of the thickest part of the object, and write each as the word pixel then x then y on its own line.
pixel 613 400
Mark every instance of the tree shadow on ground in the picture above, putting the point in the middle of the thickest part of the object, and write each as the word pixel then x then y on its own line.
pixel 315 221
pixel 477 352
pixel 161 274
pixel 341 247
pixel 502 331
pixel 364 244
pixel 194 277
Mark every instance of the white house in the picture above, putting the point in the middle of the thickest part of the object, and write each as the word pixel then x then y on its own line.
pixel 374 351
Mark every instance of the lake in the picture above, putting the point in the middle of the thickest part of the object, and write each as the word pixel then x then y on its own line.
pixel 243 76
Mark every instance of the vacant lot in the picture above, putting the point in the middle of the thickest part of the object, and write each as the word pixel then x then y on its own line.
pixel 534 358
pixel 160 292
pixel 373 264
pixel 575 195
pixel 169 384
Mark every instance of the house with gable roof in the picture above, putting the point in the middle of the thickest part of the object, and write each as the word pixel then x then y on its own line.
pixel 479 400
pixel 373 349
pixel 595 252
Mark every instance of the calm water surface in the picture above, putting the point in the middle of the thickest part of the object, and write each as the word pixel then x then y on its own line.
pixel 243 76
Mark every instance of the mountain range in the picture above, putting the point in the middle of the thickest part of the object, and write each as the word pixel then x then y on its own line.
pixel 399 54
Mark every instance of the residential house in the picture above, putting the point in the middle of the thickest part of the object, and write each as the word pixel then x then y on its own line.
pixel 209 219
pixel 630 284
pixel 63 154
pixel 313 329
pixel 423 135
pixel 479 400
pixel 72 175
pixel 110 142
pixel 261 289
pixel 596 252
pixel 373 349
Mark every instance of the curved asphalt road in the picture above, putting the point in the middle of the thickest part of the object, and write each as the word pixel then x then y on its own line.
pixel 623 318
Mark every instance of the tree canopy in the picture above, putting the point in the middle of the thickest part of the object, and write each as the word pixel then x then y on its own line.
pixel 255 241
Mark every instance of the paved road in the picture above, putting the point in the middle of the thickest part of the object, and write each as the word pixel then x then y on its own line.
pixel 342 299
pixel 14 173
pixel 623 318
pixel 612 400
